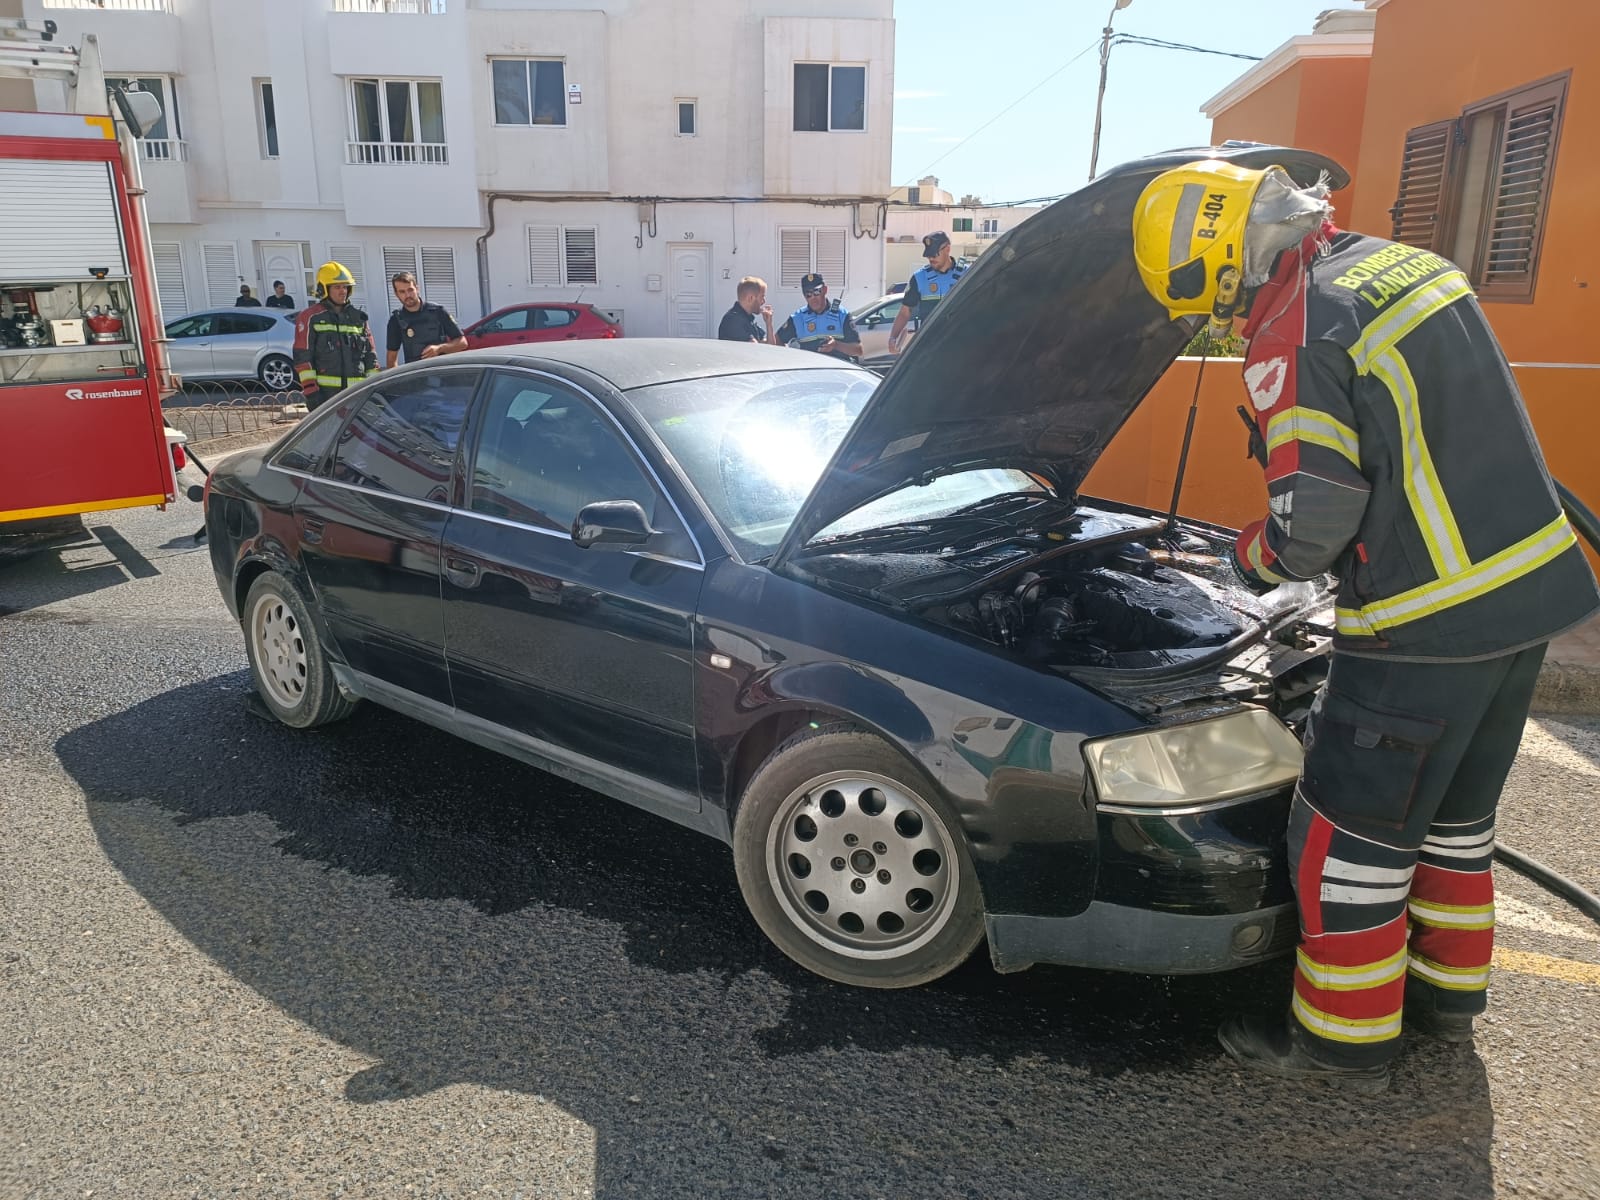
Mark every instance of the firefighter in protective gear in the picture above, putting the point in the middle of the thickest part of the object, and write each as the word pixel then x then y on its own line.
pixel 1400 458
pixel 333 346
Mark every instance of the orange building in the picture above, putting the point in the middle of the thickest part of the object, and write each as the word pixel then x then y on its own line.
pixel 1468 128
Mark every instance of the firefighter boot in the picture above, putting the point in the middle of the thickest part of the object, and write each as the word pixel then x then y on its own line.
pixel 1268 1046
pixel 1423 1015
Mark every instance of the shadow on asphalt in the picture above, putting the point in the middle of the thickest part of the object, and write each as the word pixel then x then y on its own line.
pixel 43 575
pixel 462 918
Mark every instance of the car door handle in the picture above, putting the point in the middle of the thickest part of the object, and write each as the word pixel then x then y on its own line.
pixel 462 572
pixel 311 531
pixel 570 336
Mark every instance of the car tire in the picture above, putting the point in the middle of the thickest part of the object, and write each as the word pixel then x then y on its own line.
pixel 287 660
pixel 852 863
pixel 276 373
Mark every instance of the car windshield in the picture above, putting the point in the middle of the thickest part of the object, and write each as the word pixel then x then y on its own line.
pixel 755 445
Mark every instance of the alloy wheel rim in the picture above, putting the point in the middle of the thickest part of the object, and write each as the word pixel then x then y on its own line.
pixel 862 865
pixel 277 377
pixel 280 650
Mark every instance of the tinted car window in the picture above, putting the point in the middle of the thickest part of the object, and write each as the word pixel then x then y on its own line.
pixel 544 453
pixel 403 437
pixel 243 323
pixel 309 445
pixel 187 327
pixel 878 315
pixel 554 318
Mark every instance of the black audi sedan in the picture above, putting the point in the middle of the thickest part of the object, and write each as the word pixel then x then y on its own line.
pixel 868 632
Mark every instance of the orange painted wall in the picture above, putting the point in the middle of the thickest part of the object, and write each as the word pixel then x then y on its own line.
pixel 1223 485
pixel 1316 104
pixel 1431 58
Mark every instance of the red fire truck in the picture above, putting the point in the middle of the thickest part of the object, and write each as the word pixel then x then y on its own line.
pixel 81 376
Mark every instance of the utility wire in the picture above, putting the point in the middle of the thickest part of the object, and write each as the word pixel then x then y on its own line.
pixel 1135 39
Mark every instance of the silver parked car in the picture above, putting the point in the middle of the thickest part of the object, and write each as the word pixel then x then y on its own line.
pixel 873 324
pixel 234 343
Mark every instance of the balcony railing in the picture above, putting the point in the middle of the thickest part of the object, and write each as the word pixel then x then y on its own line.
pixel 429 153
pixel 425 7
pixel 114 5
pixel 164 149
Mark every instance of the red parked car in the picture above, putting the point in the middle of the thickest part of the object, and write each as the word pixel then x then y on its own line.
pixel 542 322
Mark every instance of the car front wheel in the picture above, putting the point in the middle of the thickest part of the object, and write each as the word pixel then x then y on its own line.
pixel 287 660
pixel 852 866
pixel 276 373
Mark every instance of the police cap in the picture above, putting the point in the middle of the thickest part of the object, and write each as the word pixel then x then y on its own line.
pixel 811 284
pixel 934 242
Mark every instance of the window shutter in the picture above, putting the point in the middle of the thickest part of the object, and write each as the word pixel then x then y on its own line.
pixel 830 258
pixel 439 276
pixel 397 259
pixel 794 256
pixel 1522 191
pixel 167 258
pixel 352 256
pixel 580 259
pixel 1424 170
pixel 544 256
pixel 222 273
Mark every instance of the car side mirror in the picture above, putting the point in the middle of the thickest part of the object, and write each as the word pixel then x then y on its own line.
pixel 611 525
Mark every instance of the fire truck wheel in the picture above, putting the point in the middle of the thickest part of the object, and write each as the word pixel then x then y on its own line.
pixel 287 661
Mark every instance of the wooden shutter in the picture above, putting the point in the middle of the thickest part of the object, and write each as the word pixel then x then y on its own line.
pixel 353 257
pixel 830 258
pixel 439 276
pixel 794 256
pixel 1424 175
pixel 580 256
pixel 222 273
pixel 1526 162
pixel 167 259
pixel 544 256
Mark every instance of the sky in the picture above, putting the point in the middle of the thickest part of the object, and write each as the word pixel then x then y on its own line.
pixel 957 68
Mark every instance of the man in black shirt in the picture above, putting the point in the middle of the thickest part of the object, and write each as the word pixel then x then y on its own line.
pixel 280 298
pixel 246 300
pixel 739 322
pixel 422 330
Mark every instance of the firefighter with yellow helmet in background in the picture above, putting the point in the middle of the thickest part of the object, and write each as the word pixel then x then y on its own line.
pixel 333 346
pixel 1399 457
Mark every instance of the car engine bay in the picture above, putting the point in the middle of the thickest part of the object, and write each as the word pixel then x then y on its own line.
pixel 1108 596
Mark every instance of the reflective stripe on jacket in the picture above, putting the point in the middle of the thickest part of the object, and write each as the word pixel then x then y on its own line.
pixel 333 348
pixel 1401 458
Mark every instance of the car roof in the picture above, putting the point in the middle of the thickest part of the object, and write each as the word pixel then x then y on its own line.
pixel 283 313
pixel 630 363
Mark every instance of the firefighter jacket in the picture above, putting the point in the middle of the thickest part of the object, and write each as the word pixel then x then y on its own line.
pixel 333 348
pixel 1401 458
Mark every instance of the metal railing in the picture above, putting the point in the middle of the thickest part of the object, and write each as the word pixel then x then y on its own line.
pixel 209 410
pixel 165 149
pixel 430 153
pixel 425 7
pixel 114 5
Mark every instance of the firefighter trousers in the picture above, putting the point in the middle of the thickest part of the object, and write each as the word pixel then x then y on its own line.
pixel 1391 841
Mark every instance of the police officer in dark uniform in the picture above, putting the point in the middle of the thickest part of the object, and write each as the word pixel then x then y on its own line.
pixel 421 329
pixel 820 326
pixel 928 286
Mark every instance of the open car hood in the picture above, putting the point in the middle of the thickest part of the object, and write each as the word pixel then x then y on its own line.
pixel 1037 359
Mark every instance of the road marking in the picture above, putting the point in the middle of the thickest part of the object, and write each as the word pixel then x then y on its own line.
pixel 1508 910
pixel 1525 962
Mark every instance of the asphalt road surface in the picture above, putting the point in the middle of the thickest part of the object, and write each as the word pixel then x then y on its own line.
pixel 375 961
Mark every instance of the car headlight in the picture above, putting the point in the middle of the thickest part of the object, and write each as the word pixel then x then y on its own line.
pixel 1246 751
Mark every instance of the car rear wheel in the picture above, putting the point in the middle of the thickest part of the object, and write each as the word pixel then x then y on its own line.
pixel 287 661
pixel 276 373
pixel 853 866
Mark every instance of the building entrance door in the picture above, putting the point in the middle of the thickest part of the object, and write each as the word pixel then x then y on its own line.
pixel 689 302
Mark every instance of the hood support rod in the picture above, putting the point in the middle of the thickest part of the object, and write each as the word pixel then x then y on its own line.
pixel 1188 434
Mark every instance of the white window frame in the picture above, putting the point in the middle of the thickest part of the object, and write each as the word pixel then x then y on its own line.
pixel 262 87
pixel 988 229
pixel 833 66
pixel 694 116
pixel 172 146
pixel 835 285
pixel 430 153
pixel 563 244
pixel 527 60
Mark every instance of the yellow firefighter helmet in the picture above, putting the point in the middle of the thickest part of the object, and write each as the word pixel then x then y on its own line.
pixel 1188 235
pixel 330 273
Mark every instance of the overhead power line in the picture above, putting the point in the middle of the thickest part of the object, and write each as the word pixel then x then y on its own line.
pixel 1134 39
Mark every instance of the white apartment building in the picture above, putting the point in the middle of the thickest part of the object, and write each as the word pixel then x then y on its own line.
pixel 641 155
